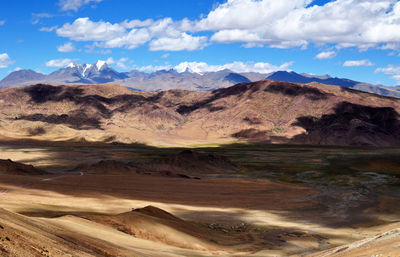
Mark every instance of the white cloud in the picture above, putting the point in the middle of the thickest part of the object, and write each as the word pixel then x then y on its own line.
pixel 282 24
pixel 325 55
pixel 393 70
pixel 121 63
pixel 183 42
pixel 65 48
pixel 201 67
pixel 136 23
pixel 48 29
pixel 133 39
pixel 83 29
pixel 5 60
pixel 162 34
pixel 17 69
pixel 357 63
pixel 151 68
pixel 74 5
pixel 2 22
pixel 166 55
pixel 364 24
pixel 261 67
pixel 37 16
pixel 58 62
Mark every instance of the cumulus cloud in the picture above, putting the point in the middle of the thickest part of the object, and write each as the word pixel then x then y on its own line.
pixel 281 24
pixel 65 48
pixel 133 39
pixel 58 62
pixel 325 55
pixel 5 60
pixel 183 42
pixel 393 70
pixel 130 24
pixel 363 24
pixel 74 5
pixel 162 34
pixel 151 68
pixel 201 67
pixel 120 63
pixel 357 63
pixel 83 29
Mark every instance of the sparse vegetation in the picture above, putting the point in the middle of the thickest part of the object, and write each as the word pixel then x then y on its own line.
pixel 160 127
pixel 278 130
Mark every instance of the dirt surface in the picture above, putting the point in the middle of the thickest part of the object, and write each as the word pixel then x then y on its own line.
pixel 263 111
pixel 275 201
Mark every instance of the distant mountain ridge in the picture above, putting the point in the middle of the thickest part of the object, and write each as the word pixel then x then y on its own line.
pixel 328 80
pixel 100 72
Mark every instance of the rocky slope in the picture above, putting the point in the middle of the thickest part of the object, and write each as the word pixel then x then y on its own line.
pixel 268 111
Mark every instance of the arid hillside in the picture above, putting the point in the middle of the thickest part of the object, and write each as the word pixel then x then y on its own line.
pixel 267 111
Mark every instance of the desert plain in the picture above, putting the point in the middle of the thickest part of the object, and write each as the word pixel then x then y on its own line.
pixel 231 200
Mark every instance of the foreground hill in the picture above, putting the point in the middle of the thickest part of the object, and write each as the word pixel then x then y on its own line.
pixel 268 111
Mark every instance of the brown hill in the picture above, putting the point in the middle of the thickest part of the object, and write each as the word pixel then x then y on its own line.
pixel 178 165
pixel 154 224
pixel 269 111
pixel 15 168
pixel 187 161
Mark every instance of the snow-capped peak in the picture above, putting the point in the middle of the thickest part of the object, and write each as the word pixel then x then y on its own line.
pixel 72 65
pixel 99 64
pixel 85 68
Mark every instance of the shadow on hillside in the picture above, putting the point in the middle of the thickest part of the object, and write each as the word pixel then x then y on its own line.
pixel 322 184
pixel 290 89
pixel 92 108
pixel 352 124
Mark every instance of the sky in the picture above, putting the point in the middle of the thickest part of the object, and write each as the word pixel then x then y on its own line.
pixel 355 39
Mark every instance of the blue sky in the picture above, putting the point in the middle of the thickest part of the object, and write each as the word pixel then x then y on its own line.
pixel 356 39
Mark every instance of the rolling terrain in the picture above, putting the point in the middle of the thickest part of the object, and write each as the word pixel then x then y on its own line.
pixel 99 170
pixel 275 200
pixel 263 111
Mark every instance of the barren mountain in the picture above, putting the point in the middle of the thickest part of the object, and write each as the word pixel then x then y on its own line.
pixel 269 111
pixel 326 79
pixel 101 72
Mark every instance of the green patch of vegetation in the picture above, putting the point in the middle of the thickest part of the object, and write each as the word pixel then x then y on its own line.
pixel 278 130
pixel 160 127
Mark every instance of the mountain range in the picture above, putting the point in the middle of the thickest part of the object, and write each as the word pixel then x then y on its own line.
pixel 262 111
pixel 100 72
pixel 328 80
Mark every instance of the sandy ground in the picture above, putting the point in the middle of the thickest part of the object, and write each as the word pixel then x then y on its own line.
pixel 279 227
pixel 79 214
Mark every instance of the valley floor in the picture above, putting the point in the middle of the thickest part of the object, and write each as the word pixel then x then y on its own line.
pixel 281 201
